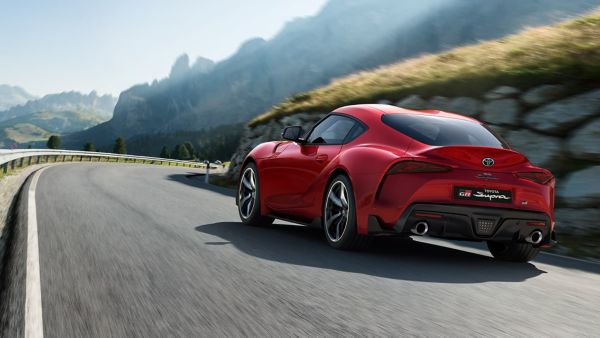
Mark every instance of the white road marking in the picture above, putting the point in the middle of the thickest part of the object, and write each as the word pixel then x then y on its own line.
pixel 34 325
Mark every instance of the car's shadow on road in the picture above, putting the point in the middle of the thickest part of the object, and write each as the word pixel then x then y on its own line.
pixel 401 259
pixel 195 179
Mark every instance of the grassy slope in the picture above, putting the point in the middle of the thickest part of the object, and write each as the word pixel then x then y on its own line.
pixel 39 126
pixel 570 50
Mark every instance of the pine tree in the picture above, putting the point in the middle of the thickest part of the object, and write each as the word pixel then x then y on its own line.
pixel 119 147
pixel 181 152
pixel 164 153
pixel 53 142
pixel 184 153
pixel 175 152
pixel 190 148
pixel 89 147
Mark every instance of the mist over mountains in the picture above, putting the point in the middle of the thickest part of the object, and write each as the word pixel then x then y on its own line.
pixel 11 96
pixel 346 36
pixel 66 101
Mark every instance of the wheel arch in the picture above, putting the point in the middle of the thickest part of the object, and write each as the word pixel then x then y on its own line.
pixel 365 179
pixel 248 159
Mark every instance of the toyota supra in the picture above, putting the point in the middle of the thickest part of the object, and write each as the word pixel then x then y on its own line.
pixel 379 170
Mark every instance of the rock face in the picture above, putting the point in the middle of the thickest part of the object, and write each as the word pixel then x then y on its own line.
pixel 542 94
pixel 503 111
pixel 439 103
pixel 562 115
pixel 577 221
pixel 585 143
pixel 581 188
pixel 465 105
pixel 540 150
pixel 412 102
pixel 502 92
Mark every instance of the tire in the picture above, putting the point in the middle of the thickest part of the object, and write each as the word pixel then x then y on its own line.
pixel 248 197
pixel 339 216
pixel 513 251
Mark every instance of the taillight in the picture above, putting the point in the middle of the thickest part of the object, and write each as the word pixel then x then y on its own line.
pixel 405 167
pixel 536 223
pixel 537 177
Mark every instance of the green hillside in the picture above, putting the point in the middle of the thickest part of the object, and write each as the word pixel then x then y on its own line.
pixel 570 50
pixel 39 126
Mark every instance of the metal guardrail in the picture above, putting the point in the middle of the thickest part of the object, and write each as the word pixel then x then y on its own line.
pixel 13 158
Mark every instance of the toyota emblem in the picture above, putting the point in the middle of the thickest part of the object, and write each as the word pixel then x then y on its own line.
pixel 487 162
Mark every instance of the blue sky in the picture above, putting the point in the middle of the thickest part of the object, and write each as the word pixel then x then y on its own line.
pixel 51 46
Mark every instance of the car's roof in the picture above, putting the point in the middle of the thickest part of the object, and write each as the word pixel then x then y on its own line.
pixel 369 112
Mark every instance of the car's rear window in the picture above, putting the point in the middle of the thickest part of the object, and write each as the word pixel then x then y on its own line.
pixel 442 131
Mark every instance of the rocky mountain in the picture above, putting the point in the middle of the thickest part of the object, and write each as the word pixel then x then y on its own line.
pixel 92 103
pixel 61 113
pixel 344 37
pixel 11 96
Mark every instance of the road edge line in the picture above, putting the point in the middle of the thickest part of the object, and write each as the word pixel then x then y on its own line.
pixel 34 324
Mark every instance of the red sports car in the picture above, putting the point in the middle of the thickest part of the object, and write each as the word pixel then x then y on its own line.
pixel 380 170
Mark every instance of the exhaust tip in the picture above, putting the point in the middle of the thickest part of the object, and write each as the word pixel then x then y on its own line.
pixel 420 228
pixel 535 237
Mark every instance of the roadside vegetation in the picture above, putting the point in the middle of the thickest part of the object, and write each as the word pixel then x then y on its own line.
pixel 569 50
pixel 212 144
pixel 53 142
pixel 119 147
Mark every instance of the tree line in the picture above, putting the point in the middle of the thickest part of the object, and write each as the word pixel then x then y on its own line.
pixel 217 143
pixel 118 148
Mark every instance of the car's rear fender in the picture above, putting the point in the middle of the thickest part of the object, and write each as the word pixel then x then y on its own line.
pixel 366 165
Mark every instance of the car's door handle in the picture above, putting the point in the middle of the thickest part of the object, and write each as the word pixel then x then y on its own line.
pixel 321 158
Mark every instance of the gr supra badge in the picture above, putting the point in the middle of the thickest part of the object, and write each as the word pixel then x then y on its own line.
pixel 379 170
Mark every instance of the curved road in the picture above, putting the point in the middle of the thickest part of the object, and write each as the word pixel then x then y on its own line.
pixel 134 250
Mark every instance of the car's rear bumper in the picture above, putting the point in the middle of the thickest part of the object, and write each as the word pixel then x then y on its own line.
pixel 473 223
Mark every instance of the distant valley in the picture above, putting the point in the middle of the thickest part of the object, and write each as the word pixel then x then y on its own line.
pixel 33 121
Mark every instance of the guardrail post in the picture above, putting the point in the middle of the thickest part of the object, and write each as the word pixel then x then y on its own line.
pixel 12 164
pixel 207 163
pixel 5 168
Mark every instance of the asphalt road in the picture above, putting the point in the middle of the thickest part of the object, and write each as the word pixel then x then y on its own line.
pixel 134 250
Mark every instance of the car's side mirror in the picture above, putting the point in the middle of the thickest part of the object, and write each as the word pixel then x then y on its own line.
pixel 293 133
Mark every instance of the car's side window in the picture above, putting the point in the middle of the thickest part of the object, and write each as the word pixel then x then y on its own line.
pixel 354 133
pixel 332 130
